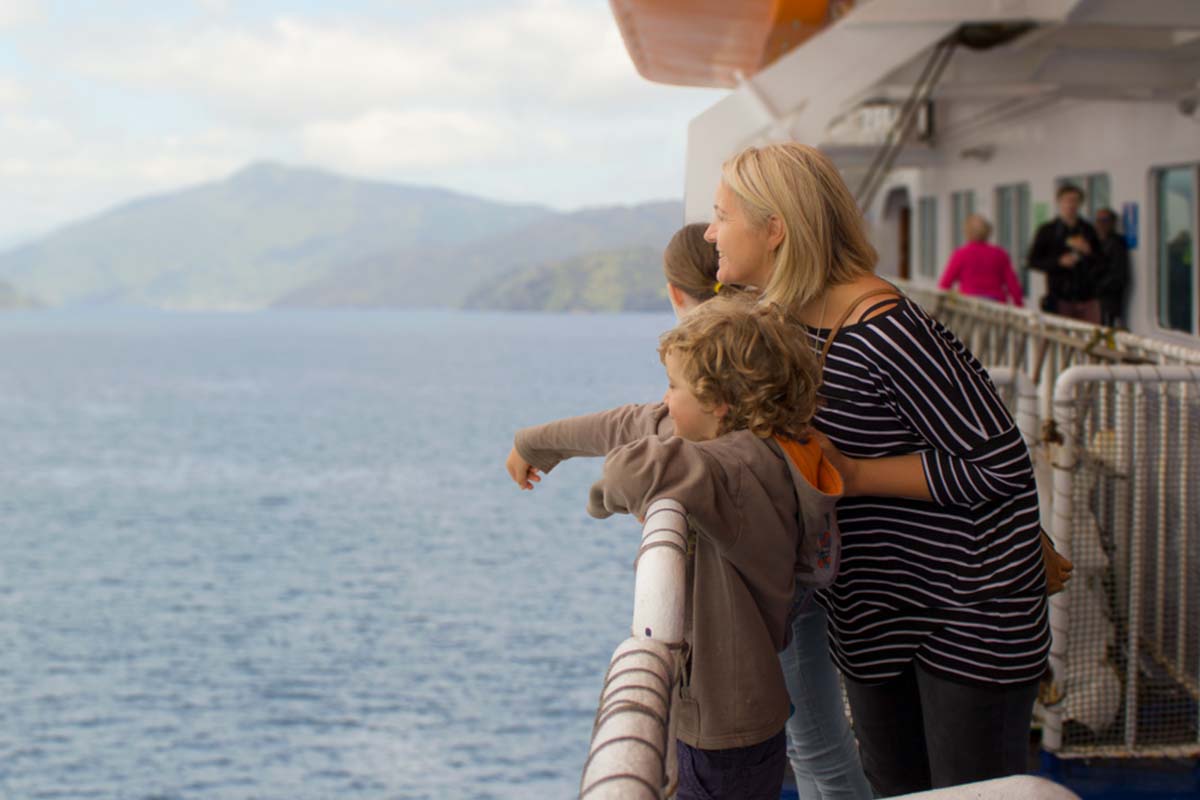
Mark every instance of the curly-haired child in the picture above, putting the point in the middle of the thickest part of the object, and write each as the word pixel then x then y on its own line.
pixel 730 443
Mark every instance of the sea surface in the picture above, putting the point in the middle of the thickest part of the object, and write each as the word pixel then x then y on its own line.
pixel 276 555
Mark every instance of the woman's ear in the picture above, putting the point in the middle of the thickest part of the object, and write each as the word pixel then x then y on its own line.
pixel 775 231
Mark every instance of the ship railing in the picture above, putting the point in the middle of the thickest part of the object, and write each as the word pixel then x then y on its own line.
pixel 1125 656
pixel 1040 345
pixel 1111 420
pixel 1014 787
pixel 632 751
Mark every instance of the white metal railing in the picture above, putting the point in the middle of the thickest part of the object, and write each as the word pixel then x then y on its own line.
pixel 1015 787
pixel 1110 419
pixel 1126 651
pixel 633 746
pixel 1040 345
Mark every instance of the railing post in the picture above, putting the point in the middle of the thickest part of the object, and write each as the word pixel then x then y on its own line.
pixel 632 744
pixel 1137 537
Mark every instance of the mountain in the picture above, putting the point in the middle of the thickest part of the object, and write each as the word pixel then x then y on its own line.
pixel 629 279
pixel 448 276
pixel 11 299
pixel 248 240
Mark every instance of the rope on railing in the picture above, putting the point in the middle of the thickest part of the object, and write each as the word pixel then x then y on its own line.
pixel 633 745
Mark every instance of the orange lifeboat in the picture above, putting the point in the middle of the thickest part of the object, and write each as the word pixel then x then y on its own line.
pixel 709 42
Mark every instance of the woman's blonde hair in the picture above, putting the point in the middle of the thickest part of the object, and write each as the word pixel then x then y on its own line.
pixel 690 263
pixel 824 240
pixel 977 228
pixel 749 356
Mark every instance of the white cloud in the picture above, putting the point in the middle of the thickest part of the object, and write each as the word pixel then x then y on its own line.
pixel 12 94
pixel 385 140
pixel 298 70
pixel 215 6
pixel 19 12
pixel 53 175
pixel 533 101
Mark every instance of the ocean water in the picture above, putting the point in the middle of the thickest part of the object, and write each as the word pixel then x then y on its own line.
pixel 276 555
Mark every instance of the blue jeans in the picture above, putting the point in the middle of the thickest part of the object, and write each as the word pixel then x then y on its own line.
pixel 821 747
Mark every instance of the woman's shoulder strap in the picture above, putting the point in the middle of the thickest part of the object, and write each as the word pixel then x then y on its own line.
pixel 841 320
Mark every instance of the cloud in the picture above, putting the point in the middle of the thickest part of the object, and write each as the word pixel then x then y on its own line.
pixel 12 94
pixel 19 12
pixel 534 100
pixel 395 139
pixel 294 70
pixel 52 174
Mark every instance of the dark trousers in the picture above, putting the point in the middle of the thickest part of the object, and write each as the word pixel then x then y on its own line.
pixel 739 773
pixel 918 731
pixel 1082 310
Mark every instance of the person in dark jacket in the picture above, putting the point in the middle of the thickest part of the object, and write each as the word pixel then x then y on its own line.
pixel 1067 250
pixel 1113 277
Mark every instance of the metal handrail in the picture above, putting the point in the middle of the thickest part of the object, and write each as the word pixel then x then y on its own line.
pixel 633 746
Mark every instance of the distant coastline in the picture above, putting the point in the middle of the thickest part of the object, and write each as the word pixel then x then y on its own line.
pixel 276 236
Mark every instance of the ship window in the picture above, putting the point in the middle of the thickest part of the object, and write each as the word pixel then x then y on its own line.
pixel 1097 191
pixel 1175 209
pixel 962 205
pixel 1013 225
pixel 927 240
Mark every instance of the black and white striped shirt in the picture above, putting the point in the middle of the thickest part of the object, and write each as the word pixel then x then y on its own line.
pixel 956 583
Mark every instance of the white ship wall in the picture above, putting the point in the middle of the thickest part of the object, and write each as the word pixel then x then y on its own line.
pixel 1125 139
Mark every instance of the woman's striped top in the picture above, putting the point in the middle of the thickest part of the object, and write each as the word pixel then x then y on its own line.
pixel 956 583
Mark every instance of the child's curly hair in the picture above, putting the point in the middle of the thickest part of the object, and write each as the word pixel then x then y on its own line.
pixel 750 356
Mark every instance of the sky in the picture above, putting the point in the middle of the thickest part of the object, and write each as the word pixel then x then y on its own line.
pixel 520 100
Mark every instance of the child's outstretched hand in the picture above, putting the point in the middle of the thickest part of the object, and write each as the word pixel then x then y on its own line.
pixel 520 470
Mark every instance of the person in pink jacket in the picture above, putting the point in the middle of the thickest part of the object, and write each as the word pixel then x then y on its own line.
pixel 981 269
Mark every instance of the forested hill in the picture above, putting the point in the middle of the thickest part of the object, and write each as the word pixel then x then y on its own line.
pixel 274 235
pixel 614 280
pixel 479 273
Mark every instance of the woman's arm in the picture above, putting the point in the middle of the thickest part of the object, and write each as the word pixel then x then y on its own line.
pixel 976 454
pixel 891 476
pixel 953 268
pixel 1011 282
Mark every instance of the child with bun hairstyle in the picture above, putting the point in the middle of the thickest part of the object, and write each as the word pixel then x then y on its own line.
pixel 728 442
pixel 690 267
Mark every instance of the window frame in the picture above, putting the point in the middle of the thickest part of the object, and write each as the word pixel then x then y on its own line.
pixel 962 205
pixel 1014 232
pixel 1160 277
pixel 927 230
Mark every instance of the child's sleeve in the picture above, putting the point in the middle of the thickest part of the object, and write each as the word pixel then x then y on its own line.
pixel 654 469
pixel 544 446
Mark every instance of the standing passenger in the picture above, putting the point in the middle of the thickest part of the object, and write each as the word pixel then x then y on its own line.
pixel 1113 278
pixel 730 442
pixel 982 269
pixel 821 746
pixel 938 616
pixel 1066 249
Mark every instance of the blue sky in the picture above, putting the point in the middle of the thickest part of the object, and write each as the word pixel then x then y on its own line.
pixel 522 100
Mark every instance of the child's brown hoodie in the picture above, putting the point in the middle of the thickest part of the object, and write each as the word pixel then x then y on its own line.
pixel 751 507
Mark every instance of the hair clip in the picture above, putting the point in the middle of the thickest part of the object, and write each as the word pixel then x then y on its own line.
pixel 717 287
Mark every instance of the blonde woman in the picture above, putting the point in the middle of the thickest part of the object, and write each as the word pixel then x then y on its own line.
pixel 938 616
